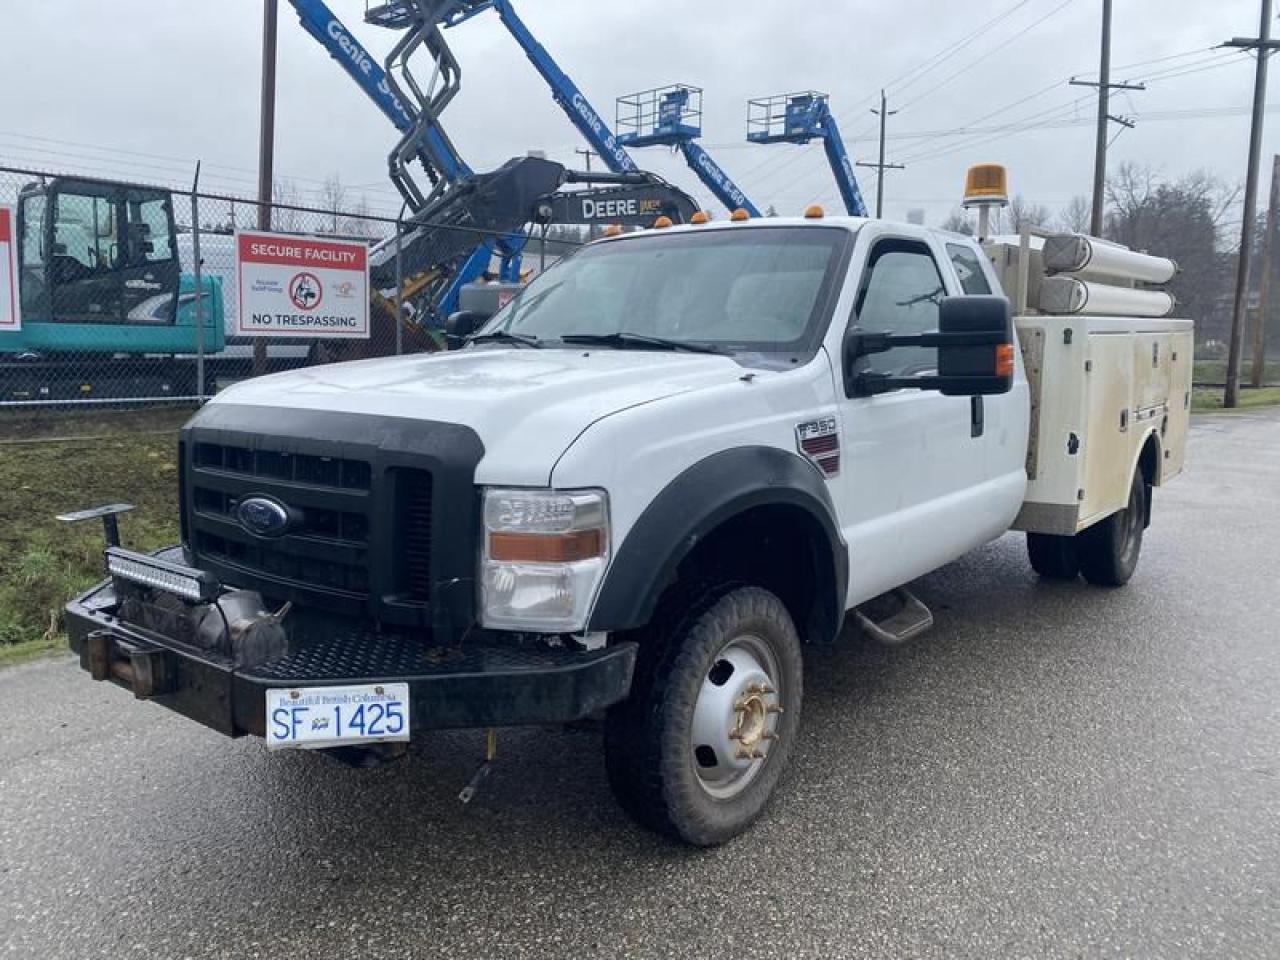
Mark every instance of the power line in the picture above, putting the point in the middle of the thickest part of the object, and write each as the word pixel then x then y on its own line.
pixel 1030 121
pixel 915 73
pixel 1000 46
pixel 972 128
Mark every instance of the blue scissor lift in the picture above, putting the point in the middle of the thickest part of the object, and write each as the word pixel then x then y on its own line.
pixel 800 118
pixel 671 116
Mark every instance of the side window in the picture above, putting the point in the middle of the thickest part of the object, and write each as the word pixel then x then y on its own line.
pixel 33 208
pixel 87 231
pixel 968 268
pixel 901 293
pixel 149 237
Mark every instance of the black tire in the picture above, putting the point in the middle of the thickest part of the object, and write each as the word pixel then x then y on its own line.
pixel 1109 549
pixel 1054 557
pixel 649 749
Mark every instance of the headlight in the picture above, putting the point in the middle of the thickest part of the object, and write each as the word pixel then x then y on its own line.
pixel 544 554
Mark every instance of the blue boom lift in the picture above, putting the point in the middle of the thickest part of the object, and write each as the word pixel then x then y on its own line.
pixel 464 218
pixel 672 117
pixel 799 118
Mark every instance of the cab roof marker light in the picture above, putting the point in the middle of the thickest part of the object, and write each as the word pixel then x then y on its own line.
pixel 700 217
pixel 613 230
pixel 814 212
pixel 739 215
pixel 662 223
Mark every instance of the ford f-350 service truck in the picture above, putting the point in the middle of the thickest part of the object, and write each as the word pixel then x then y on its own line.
pixel 642 488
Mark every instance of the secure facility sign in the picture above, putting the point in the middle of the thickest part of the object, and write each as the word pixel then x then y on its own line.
pixel 10 318
pixel 301 286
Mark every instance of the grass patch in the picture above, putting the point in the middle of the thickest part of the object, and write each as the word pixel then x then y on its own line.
pixel 15 653
pixel 55 462
pixel 1215 371
pixel 1209 399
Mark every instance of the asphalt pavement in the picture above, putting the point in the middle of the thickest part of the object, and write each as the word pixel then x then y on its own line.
pixel 1056 770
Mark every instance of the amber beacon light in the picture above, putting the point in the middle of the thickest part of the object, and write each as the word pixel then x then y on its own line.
pixel 986 185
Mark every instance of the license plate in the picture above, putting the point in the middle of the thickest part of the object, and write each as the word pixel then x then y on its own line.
pixel 334 716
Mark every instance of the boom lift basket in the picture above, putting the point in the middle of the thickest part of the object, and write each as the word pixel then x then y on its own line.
pixel 785 117
pixel 663 116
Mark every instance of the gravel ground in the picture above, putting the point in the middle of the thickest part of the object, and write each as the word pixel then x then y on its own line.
pixel 1055 771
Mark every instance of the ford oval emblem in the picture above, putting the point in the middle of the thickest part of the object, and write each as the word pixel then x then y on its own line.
pixel 263 516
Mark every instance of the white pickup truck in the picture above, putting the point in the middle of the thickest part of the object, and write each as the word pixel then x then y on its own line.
pixel 643 487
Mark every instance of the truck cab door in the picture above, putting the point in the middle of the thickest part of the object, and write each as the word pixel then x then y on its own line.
pixel 85 255
pixel 149 269
pixel 33 233
pixel 913 485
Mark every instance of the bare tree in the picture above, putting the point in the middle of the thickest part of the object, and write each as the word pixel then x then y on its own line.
pixel 358 223
pixel 1075 216
pixel 1180 219
pixel 1021 213
pixel 332 196
pixel 958 221
pixel 285 195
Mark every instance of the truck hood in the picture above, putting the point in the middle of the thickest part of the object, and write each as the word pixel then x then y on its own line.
pixel 527 406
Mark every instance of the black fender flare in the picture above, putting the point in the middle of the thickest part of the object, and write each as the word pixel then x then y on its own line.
pixel 694 504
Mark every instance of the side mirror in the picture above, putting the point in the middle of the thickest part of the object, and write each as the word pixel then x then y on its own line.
pixel 970 369
pixel 463 324
pixel 975 351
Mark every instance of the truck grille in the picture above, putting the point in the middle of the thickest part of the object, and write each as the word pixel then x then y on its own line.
pixel 327 549
pixel 414 488
pixel 368 534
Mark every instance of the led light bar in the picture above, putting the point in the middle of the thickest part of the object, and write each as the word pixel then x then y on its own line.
pixel 187 582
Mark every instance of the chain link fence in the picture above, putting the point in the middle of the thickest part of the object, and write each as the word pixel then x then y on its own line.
pixel 129 295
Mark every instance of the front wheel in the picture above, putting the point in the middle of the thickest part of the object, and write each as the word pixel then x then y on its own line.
pixel 698 748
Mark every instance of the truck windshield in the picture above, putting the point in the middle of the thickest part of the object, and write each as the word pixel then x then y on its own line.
pixel 765 290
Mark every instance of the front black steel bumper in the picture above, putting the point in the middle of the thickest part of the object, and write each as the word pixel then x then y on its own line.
pixel 488 684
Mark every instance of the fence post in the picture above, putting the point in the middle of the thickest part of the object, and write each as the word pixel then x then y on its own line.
pixel 399 321
pixel 195 257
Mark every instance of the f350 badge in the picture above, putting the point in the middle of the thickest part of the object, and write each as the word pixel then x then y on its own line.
pixel 819 441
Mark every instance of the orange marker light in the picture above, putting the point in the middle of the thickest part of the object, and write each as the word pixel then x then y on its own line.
pixel 613 230
pixel 700 217
pixel 1004 360
pixel 546 548
pixel 662 223
pixel 739 215
pixel 814 212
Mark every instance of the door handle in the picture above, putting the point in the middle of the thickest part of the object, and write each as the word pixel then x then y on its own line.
pixel 977 416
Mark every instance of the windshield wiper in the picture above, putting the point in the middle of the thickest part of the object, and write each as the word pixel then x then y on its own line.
pixel 506 336
pixel 621 339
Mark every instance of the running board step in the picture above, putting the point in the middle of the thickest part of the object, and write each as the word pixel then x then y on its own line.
pixel 910 619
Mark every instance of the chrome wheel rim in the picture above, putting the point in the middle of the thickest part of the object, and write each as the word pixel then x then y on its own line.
pixel 735 718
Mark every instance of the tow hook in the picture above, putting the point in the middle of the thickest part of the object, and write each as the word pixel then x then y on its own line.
pixel 142 670
pixel 482 771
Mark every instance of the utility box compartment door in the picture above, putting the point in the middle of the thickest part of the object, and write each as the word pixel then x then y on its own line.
pixel 1101 386
pixel 1178 422
pixel 1107 440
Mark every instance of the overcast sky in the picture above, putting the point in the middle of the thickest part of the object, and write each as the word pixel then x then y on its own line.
pixel 144 88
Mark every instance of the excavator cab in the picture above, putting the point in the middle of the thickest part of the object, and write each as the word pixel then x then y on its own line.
pixel 96 253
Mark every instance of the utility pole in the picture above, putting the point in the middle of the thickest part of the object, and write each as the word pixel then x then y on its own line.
pixel 266 144
pixel 587 154
pixel 1259 377
pixel 1263 45
pixel 884 113
pixel 1105 86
